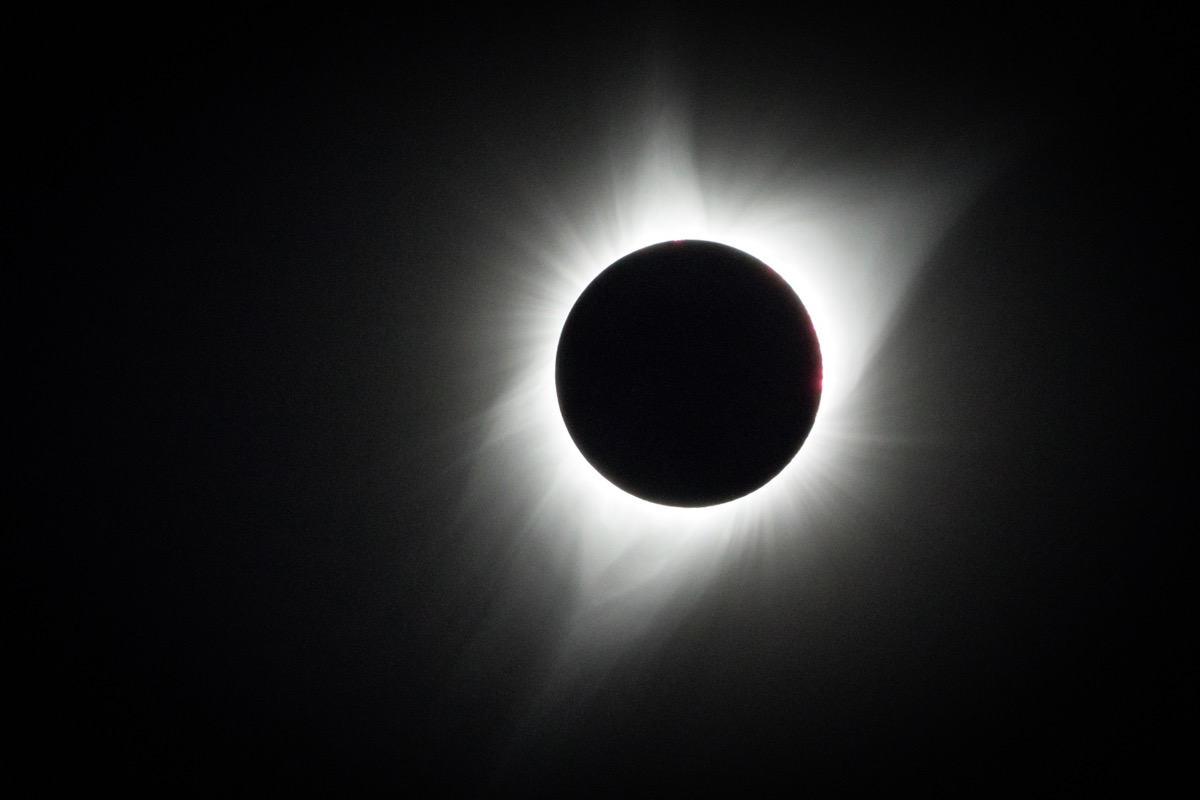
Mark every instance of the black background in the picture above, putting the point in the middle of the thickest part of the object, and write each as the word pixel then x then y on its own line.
pixel 247 331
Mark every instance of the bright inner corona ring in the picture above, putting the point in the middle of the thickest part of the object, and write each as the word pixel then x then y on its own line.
pixel 850 245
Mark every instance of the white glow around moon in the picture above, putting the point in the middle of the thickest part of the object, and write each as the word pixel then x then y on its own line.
pixel 850 243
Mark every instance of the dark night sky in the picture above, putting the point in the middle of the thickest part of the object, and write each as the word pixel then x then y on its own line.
pixel 254 328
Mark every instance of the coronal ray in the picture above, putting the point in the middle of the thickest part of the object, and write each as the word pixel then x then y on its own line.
pixel 850 243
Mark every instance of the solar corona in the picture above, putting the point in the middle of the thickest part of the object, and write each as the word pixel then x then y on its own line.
pixel 676 355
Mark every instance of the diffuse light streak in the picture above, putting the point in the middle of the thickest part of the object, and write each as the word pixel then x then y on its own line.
pixel 851 245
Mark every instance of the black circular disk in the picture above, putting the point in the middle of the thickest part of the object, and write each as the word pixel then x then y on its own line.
pixel 688 373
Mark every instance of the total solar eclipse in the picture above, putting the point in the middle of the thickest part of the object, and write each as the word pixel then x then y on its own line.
pixel 688 373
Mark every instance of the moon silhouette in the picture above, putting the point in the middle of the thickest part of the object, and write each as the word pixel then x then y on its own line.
pixel 688 373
